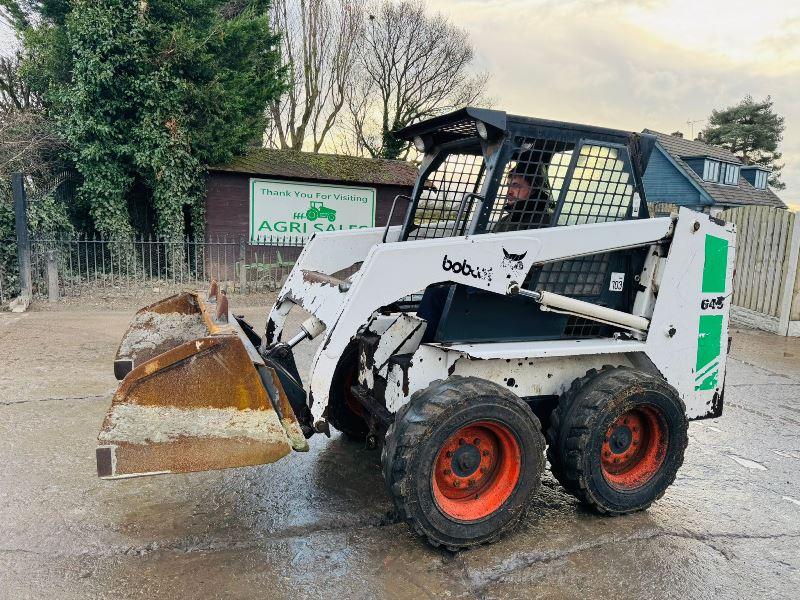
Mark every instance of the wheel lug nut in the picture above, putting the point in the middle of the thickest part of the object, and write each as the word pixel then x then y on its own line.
pixel 471 483
pixel 486 453
pixel 457 483
pixel 448 454
pixel 447 471
pixel 477 441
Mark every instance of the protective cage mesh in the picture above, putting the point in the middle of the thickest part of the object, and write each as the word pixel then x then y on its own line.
pixel 578 327
pixel 465 128
pixel 600 188
pixel 444 209
pixel 582 276
pixel 531 183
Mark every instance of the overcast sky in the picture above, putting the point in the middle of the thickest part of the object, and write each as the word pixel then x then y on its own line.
pixel 639 63
pixel 636 63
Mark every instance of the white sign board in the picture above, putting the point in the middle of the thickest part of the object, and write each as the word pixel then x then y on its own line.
pixel 289 209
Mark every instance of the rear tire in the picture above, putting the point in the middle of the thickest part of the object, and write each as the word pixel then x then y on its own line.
pixel 617 439
pixel 345 413
pixel 462 460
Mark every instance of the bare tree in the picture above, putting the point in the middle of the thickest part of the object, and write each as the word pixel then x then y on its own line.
pixel 27 139
pixel 411 65
pixel 15 93
pixel 318 46
pixel 28 142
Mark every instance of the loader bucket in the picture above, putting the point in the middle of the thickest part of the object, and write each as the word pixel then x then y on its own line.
pixel 195 395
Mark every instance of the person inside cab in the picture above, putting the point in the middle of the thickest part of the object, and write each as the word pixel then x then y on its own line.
pixel 528 200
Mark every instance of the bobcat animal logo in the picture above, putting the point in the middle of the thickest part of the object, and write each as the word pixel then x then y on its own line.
pixel 513 261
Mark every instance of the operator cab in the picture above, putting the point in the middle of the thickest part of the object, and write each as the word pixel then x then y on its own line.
pixel 484 171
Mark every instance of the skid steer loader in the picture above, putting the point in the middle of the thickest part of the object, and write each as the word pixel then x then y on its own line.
pixel 528 302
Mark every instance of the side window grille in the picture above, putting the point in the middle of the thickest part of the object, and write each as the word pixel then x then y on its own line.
pixel 578 327
pixel 600 189
pixel 530 184
pixel 583 276
pixel 442 195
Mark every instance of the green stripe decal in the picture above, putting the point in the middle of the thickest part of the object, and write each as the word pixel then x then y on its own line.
pixel 709 338
pixel 715 266
pixel 709 348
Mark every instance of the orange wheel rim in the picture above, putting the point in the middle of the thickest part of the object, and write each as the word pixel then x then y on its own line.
pixel 634 448
pixel 476 471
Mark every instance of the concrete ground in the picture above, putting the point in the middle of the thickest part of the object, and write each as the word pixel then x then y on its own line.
pixel 320 524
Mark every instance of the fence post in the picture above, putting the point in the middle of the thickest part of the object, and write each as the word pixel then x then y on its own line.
pixel 52 276
pixel 23 240
pixel 785 307
pixel 242 266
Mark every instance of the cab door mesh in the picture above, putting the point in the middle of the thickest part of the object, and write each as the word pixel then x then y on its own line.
pixel 530 184
pixel 599 187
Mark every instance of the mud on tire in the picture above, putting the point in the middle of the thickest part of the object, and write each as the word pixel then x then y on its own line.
pixel 474 432
pixel 617 439
pixel 344 411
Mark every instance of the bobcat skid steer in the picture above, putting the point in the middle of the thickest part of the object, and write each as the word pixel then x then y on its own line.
pixel 528 302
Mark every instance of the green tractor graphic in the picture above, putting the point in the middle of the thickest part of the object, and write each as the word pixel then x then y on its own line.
pixel 318 210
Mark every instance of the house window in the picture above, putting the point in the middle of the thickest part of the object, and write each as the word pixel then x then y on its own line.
pixel 711 170
pixel 717 171
pixel 761 180
pixel 730 174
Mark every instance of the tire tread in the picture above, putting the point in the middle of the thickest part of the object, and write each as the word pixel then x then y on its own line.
pixel 570 424
pixel 412 423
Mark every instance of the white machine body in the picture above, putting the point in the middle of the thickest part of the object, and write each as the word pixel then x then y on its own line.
pixel 678 326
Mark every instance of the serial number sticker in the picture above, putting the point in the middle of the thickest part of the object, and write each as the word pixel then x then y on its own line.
pixel 617 282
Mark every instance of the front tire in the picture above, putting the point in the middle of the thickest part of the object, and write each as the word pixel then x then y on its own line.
pixel 462 460
pixel 617 439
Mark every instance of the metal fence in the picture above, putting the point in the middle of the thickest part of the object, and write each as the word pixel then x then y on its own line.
pixel 89 264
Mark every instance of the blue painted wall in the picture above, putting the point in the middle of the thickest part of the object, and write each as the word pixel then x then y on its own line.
pixel 665 183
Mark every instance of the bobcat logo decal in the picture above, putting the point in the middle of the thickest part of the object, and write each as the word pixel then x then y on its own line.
pixel 513 261
pixel 464 268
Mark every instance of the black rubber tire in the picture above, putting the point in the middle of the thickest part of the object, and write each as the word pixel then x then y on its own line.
pixel 340 415
pixel 578 426
pixel 414 439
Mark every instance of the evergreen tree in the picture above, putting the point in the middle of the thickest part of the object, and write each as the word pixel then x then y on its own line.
pixel 147 93
pixel 752 131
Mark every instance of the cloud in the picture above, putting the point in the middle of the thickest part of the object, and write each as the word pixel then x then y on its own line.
pixel 639 64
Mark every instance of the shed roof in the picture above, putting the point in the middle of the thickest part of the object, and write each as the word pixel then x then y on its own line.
pixel 728 195
pixel 323 167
